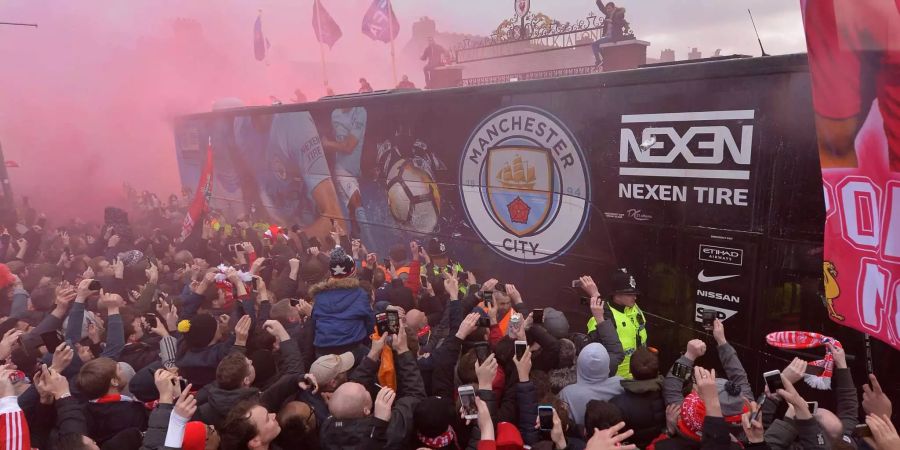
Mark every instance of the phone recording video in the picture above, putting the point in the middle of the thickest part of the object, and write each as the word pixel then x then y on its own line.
pixel 537 316
pixel 707 318
pixel 382 323
pixel 467 402
pixel 393 321
pixel 488 297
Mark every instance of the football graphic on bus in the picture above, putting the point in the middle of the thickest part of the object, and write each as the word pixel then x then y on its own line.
pixel 413 197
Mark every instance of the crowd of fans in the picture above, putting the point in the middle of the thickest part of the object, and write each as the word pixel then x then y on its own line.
pixel 122 336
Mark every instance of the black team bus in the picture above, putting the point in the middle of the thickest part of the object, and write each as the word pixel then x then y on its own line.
pixel 701 178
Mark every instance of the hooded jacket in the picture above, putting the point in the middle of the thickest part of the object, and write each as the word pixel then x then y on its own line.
pixel 594 382
pixel 215 402
pixel 342 313
pixel 642 408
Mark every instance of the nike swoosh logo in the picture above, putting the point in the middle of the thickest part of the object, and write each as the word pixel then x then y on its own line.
pixel 705 279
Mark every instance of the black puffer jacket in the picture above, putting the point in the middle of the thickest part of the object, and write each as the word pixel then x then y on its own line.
pixel 643 409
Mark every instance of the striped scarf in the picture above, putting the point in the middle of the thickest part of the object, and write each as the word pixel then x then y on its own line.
pixel 808 339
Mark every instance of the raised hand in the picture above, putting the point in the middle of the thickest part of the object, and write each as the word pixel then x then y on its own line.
pixel 486 372
pixel 242 331
pixel 753 429
pixel 62 357
pixel 384 401
pixel 875 401
pixel 589 286
pixel 468 325
pixel 610 439
pixel 186 405
pixel 695 349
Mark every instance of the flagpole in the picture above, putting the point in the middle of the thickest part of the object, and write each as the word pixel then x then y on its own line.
pixel 391 25
pixel 318 13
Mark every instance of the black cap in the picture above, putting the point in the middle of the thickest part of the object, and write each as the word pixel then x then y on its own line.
pixel 623 282
pixel 436 248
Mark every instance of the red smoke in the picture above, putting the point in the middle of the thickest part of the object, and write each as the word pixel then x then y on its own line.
pixel 89 96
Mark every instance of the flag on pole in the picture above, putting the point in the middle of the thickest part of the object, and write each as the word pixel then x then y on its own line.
pixel 260 43
pixel 327 30
pixel 380 23
pixel 202 196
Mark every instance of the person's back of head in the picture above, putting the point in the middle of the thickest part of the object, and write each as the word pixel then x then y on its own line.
pixel 465 370
pixel 601 415
pixel 644 364
pixel 97 377
pixel 237 429
pixel 567 353
pixel 233 372
pixel 284 312
pixel 299 426
pixel 398 254
pixel 350 401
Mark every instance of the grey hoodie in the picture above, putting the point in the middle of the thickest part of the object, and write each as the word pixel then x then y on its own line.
pixel 594 382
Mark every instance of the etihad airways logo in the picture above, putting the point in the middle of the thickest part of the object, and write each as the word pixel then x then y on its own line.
pixel 703 145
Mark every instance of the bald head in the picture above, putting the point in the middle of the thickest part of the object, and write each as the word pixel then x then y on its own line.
pixel 416 320
pixel 829 422
pixel 350 401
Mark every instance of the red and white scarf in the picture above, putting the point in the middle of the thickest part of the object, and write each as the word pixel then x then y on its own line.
pixel 440 441
pixel 808 339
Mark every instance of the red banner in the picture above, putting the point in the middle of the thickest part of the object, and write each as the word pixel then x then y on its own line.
pixel 854 59
pixel 202 196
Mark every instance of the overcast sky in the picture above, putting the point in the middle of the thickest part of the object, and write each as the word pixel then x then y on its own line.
pixel 675 24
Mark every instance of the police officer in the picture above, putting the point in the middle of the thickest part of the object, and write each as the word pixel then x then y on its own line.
pixel 624 312
pixel 439 262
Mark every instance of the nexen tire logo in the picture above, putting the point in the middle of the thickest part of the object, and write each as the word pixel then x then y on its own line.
pixel 699 146
pixel 524 184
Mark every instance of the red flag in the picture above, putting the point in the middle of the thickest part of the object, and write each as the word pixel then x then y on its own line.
pixel 202 196
pixel 11 163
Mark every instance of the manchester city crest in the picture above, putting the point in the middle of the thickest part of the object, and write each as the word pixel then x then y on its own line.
pixel 524 184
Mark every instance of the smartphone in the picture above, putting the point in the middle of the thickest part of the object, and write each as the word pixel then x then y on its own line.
pixel 393 318
pixel 382 323
pixel 484 322
pixel 537 315
pixel 813 406
pixel 576 284
pixel 386 262
pixel 467 401
pixel 681 371
pixel 545 415
pixel 182 383
pixel 707 318
pixel 52 339
pixel 773 381
pixel 151 320
pixel 862 431
pixel 759 409
pixel 482 351
pixel 488 297
pixel 521 346
pixel 95 285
